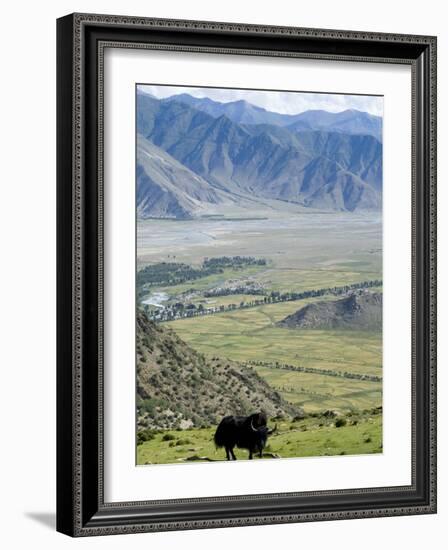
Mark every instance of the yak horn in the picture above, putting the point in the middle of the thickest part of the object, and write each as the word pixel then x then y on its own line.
pixel 270 432
pixel 252 426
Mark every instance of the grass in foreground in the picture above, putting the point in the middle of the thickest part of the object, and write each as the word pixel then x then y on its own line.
pixel 360 433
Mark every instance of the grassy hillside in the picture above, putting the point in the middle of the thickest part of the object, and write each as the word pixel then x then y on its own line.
pixel 179 387
pixel 317 435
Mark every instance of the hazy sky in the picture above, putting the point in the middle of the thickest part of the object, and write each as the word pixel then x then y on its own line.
pixel 280 102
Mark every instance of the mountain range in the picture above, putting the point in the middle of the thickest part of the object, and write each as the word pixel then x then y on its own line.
pixel 242 112
pixel 195 154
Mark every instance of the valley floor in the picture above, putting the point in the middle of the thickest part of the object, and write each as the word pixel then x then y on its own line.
pixel 251 335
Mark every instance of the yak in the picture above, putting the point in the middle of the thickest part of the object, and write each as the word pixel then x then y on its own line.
pixel 245 432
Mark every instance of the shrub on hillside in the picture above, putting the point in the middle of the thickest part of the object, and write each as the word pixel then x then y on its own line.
pixel 144 435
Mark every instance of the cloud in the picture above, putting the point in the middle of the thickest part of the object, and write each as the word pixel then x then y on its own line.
pixel 280 102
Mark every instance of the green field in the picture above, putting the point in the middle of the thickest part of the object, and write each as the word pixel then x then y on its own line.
pixel 298 280
pixel 315 392
pixel 216 301
pixel 251 335
pixel 313 436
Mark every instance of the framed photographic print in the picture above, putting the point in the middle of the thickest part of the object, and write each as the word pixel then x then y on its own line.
pixel 246 274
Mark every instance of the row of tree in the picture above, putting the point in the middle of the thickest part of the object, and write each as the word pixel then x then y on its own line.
pixel 313 370
pixel 180 310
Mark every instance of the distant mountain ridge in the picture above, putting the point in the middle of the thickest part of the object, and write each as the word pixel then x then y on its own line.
pixel 218 161
pixel 350 121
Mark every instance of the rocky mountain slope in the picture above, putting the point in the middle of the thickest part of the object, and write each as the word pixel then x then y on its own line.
pixel 179 387
pixel 168 189
pixel 358 311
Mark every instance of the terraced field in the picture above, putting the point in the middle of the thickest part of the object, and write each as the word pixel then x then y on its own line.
pixel 315 392
pixel 251 335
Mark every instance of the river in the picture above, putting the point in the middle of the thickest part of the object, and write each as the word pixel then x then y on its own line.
pixel 156 299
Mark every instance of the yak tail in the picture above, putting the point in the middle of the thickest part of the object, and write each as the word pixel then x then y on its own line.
pixel 218 438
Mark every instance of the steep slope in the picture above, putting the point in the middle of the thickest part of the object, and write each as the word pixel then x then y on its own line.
pixel 179 387
pixel 344 192
pixel 359 154
pixel 168 189
pixel 358 311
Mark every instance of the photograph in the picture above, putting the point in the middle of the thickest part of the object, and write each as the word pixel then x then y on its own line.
pixel 259 274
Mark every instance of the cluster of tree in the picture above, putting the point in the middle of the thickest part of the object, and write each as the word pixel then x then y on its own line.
pixel 171 273
pixel 174 273
pixel 233 262
pixel 237 289
pixel 312 370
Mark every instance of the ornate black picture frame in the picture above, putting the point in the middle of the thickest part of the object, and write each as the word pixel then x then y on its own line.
pixel 81 509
